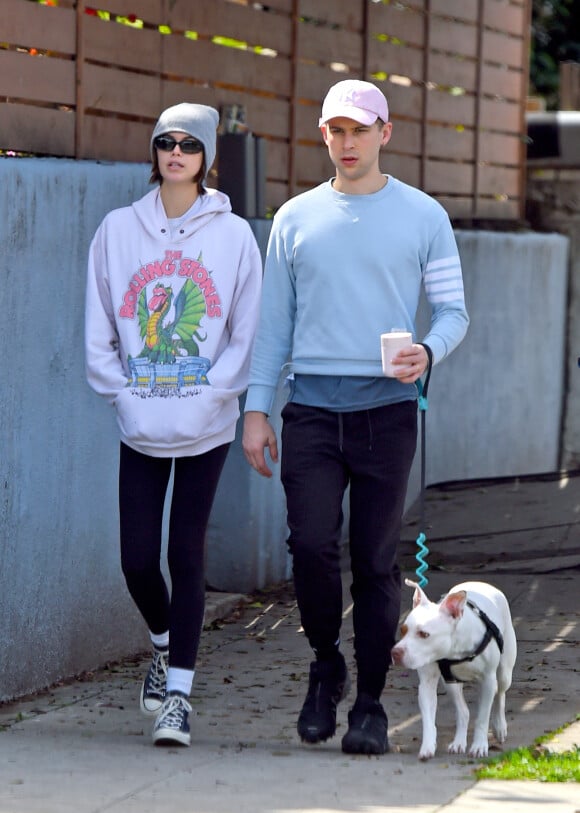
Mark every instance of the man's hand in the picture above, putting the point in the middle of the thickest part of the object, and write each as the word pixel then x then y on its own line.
pixel 258 434
pixel 410 363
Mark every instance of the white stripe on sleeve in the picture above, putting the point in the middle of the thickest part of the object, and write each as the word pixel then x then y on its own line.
pixel 443 281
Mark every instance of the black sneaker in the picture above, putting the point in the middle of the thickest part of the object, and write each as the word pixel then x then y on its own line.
pixel 153 688
pixel 172 724
pixel 329 683
pixel 367 728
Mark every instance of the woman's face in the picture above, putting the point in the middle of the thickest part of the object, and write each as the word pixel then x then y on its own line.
pixel 175 165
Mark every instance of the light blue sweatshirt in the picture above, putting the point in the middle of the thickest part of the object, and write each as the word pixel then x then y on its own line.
pixel 342 269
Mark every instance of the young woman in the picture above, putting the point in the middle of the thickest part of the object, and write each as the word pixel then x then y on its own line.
pixel 171 310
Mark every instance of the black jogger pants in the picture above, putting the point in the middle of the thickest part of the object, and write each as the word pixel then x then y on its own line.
pixel 323 452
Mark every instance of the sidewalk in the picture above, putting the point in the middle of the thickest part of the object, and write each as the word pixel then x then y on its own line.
pixel 84 746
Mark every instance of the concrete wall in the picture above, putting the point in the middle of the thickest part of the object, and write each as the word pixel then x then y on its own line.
pixel 63 604
pixel 554 205
pixel 495 405
pixel 494 410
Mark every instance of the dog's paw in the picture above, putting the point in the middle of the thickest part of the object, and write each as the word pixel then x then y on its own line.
pixel 427 750
pixel 500 734
pixel 499 728
pixel 478 749
pixel 457 747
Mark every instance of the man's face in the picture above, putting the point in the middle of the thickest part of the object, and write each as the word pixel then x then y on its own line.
pixel 353 147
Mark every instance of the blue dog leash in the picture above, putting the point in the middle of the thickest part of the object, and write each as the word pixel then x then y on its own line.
pixel 423 551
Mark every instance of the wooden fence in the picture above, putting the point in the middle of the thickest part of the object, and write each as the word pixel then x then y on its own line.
pixel 86 84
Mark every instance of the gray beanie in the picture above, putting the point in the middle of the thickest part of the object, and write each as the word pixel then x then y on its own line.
pixel 197 120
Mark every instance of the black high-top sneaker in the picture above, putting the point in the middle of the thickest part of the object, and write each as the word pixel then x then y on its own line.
pixel 329 683
pixel 367 727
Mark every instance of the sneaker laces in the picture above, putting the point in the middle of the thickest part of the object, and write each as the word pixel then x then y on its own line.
pixel 173 711
pixel 157 677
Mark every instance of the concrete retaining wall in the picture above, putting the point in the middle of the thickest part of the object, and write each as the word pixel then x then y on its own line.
pixel 494 410
pixel 554 205
pixel 495 405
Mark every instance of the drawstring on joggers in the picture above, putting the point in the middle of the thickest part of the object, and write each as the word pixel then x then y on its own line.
pixel 341 431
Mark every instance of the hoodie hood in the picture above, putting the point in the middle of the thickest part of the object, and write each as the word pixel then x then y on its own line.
pixel 150 212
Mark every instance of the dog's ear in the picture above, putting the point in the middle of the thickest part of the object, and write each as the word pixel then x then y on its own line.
pixel 453 603
pixel 419 596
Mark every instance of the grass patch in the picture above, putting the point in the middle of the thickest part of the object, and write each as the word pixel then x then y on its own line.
pixel 534 763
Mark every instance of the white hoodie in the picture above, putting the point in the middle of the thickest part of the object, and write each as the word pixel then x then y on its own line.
pixel 170 322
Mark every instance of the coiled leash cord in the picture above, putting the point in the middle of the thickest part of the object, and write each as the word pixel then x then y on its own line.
pixel 423 551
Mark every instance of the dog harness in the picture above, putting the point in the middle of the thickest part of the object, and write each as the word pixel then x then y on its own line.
pixel 491 631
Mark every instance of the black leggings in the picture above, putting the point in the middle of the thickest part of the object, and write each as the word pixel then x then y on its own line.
pixel 322 453
pixel 143 482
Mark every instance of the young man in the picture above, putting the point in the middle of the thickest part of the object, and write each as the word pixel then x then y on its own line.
pixel 346 262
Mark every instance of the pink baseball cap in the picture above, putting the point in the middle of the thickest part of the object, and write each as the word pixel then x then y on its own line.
pixel 355 99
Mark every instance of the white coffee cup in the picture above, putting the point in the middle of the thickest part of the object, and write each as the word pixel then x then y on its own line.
pixel 391 343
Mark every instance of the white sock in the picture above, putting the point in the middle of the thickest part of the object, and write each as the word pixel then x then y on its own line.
pixel 160 641
pixel 179 680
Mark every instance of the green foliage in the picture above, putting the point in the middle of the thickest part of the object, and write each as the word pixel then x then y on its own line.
pixel 534 763
pixel 555 38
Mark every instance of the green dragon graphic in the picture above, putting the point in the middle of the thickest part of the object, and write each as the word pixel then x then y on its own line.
pixel 164 342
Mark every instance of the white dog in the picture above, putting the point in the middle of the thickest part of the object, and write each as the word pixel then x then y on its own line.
pixel 468 636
